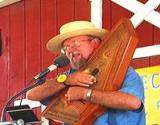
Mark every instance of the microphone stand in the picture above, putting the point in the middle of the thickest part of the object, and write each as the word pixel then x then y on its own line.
pixel 38 82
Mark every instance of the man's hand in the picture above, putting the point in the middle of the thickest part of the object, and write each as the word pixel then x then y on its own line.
pixel 80 79
pixel 75 93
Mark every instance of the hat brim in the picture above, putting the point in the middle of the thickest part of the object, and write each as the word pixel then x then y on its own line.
pixel 55 44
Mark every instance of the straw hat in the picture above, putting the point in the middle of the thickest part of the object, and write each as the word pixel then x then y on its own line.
pixel 73 29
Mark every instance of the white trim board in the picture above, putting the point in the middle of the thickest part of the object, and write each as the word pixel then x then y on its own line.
pixel 147 51
pixel 134 6
pixel 148 7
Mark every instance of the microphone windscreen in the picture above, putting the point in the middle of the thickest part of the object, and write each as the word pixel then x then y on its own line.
pixel 61 61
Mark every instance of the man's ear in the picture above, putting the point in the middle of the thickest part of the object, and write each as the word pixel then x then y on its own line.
pixel 95 42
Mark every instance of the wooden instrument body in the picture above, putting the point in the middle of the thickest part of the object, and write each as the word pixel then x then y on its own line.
pixel 112 59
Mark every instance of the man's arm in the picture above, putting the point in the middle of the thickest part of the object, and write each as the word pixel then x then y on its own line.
pixel 45 90
pixel 116 99
pixel 51 87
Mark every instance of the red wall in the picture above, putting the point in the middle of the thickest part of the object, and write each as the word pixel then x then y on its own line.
pixel 26 27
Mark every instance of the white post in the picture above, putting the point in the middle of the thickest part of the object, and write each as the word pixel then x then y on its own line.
pixel 96 13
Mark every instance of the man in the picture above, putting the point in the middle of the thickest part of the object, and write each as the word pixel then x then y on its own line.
pixel 78 40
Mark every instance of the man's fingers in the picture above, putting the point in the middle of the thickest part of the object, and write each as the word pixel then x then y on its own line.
pixel 68 98
pixel 82 84
pixel 88 80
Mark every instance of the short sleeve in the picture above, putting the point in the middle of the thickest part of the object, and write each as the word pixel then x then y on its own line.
pixel 133 84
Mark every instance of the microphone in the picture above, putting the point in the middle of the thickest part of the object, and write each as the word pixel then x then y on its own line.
pixel 58 63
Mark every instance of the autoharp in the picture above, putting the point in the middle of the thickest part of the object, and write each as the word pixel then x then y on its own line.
pixel 111 59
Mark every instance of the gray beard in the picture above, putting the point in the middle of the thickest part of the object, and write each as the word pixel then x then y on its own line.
pixel 78 65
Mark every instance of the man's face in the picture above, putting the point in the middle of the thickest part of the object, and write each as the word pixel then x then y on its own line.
pixel 78 49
